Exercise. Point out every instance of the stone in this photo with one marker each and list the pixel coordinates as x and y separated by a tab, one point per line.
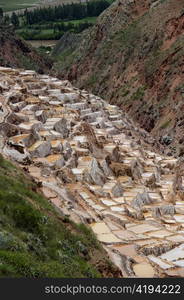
96	173
117	190
66	145
17	156
71	97
29	126
151	181
53	159
141	200
41	116
62	128
32	100
164	210
15	96
8	130
60	163
66	175
67	154
40	149
30	108
16	107
101	193
120	169
177	182
106	169
116	156
56	146
136	169
167	140
72	161
31	139
15	118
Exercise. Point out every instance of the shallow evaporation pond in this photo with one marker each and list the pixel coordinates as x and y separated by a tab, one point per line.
144	270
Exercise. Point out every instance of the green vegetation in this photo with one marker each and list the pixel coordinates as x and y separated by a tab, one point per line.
92	80
125	93
9	5
139	94
46	23
35	240
15	20
67	12
165	124
125	90
180	88
53	31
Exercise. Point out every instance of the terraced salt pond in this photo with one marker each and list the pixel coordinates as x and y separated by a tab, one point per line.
80	151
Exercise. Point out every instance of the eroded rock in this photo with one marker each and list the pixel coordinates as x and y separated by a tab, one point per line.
117	190
40	149
62	128
96	173
141	200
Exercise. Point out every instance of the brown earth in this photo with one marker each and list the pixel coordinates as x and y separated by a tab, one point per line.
15	52
134	57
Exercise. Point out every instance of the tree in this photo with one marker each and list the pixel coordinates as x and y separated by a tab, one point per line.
1	15
1	12
15	20
6	20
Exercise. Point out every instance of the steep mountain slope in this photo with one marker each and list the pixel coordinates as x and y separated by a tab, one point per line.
14	52
134	57
36	240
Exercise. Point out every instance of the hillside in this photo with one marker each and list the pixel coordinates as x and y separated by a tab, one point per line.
20	5
15	52
133	57
36	240
11	5
95	167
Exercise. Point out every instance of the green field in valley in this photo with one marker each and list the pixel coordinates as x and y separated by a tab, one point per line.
9	5
41	33
88	19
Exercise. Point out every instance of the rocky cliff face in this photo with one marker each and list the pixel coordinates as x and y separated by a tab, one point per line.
14	52
133	57
96	167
